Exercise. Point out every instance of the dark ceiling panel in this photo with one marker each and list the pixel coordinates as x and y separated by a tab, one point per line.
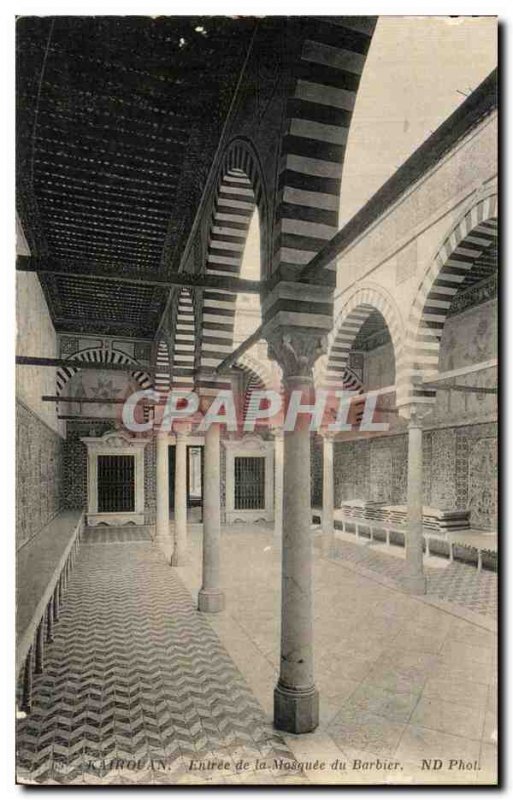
106	108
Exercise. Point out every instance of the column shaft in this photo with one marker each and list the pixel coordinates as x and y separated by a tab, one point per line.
162	526
296	700
415	581
210	597
327	486
278	483
180	549
39	660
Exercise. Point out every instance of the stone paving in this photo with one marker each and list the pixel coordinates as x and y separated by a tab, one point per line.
399	680
137	683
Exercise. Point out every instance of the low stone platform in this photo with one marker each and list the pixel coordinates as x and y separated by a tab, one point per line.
138	688
38	566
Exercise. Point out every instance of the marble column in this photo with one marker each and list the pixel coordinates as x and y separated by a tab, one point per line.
414	580
179	557
162	526
296	700
210	596
328	493
278	481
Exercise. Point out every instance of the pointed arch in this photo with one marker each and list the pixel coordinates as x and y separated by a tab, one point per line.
240	190
468	241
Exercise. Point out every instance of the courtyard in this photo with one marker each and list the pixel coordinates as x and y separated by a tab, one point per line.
141	688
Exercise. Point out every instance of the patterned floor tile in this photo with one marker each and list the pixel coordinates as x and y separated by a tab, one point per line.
136	683
457	583
112	535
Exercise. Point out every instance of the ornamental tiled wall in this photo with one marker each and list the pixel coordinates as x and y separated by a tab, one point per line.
316	471
460	470
150	483
75	462
39	473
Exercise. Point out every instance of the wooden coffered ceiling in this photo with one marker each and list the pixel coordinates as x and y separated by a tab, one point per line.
118	121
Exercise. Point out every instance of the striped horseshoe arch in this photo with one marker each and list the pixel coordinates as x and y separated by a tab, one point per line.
258	378
255	366
162	368
319	114
100	355
252	383
471	240
182	369
239	192
364	302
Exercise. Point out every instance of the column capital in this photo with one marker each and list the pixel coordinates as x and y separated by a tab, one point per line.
415	414
296	350
328	436
277	432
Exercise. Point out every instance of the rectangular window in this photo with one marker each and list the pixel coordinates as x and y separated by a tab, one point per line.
116	483
249	482
195	482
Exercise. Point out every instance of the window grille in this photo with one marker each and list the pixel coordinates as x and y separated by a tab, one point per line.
116	483
249	482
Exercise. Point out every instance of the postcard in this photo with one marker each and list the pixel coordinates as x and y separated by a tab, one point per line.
256	400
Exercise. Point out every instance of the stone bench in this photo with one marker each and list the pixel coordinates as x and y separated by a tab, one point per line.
469	539
43	567
475	541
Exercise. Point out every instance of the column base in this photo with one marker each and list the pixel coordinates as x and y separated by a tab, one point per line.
296	711
166	547
210	601
414	584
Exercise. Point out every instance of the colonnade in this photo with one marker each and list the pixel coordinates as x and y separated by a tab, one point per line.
296	699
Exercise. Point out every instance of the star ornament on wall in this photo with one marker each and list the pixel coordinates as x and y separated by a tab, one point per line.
105	388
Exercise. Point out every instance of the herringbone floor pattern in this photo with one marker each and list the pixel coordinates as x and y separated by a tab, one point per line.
136	685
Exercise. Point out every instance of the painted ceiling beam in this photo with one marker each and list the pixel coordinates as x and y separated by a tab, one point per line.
49	266
38	361
55	398
81	418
